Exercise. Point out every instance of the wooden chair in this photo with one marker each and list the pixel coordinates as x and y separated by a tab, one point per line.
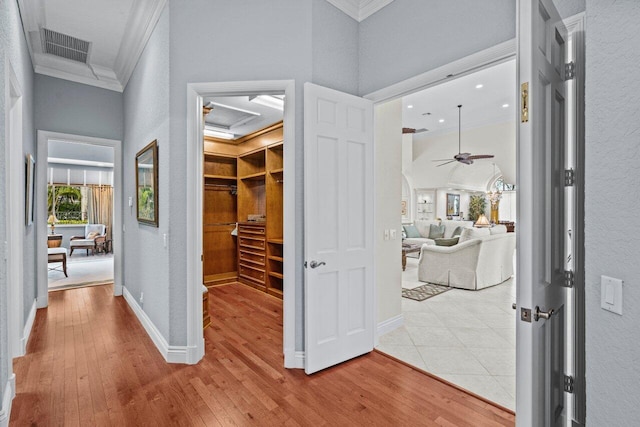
58	255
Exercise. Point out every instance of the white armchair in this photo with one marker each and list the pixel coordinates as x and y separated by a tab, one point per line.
93	233
473	264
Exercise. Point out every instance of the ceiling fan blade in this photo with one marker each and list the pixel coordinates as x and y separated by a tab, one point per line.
481	156
446	163
467	161
461	156
443	160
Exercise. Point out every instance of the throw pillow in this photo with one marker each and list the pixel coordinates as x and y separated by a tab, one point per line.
436	231
92	235
411	231
447	242
473	233
457	231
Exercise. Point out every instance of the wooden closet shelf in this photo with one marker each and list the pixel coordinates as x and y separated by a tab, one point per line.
276	258
276	241
274	274
277	171
230	178
254	176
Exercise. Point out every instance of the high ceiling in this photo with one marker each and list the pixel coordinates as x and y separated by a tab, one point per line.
238	115
436	108
115	32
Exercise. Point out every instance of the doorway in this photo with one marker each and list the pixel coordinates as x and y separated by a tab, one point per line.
80	208
85	170
196	96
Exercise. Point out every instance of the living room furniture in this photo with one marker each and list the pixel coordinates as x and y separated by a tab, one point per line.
423	227
408	248
54	240
483	258
93	233
58	255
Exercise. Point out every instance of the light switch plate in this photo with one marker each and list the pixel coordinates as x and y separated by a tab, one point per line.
611	294
393	234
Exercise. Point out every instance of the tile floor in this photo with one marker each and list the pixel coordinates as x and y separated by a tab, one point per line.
82	270
465	337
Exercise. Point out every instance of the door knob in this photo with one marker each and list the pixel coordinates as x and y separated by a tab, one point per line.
316	264
538	314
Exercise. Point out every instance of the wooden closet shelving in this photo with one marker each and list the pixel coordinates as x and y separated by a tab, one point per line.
254	170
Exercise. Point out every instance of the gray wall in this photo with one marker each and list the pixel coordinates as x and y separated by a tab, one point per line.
78	109
612	182
146	107
410	37
13	47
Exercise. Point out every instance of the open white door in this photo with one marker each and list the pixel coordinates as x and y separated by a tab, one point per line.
541	296
338	174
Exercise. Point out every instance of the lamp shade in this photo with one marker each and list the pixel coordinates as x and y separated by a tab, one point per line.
482	221
51	219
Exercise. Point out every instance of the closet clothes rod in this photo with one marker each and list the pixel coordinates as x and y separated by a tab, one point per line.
219	224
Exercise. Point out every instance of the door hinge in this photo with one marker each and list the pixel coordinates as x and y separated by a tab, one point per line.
568	383
305	264
569	70
569	279
569	177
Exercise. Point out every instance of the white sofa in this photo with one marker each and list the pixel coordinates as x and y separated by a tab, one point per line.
482	258
423	229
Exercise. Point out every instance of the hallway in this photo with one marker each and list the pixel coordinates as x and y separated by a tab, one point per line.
90	362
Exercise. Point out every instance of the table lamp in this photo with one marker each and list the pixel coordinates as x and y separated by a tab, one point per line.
52	219
482	221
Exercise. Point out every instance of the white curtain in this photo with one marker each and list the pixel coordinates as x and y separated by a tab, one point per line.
100	207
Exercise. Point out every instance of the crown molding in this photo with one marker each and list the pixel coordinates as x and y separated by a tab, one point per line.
104	83
359	9
141	24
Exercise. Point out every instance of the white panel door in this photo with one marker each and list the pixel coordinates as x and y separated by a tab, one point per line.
541	310
339	286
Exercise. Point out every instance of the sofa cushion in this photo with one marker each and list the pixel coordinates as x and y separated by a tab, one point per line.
411	231
92	235
423	226
498	229
447	242
436	231
473	233
457	231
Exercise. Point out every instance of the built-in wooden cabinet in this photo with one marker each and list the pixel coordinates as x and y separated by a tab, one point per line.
244	185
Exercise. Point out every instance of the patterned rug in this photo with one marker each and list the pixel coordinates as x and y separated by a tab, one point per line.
424	292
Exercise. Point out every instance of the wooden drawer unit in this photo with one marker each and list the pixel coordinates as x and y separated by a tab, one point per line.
252	256
248	258
253	243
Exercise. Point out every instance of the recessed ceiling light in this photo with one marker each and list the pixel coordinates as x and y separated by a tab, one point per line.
409	106
505	105
479	86
441	121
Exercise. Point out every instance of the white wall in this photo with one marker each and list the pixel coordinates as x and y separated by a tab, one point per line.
612	206
70	107
13	50
388	189
146	107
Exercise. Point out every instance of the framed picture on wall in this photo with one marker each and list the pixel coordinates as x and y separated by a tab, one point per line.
403	208
147	184
453	204
30	187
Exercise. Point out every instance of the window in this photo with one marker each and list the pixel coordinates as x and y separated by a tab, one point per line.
500	185
67	204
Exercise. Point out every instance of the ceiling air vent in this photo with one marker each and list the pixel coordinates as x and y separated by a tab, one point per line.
65	46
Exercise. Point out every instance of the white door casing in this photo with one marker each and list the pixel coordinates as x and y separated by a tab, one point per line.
339	292
541	221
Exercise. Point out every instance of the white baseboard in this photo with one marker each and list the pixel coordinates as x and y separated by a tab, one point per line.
171	353
390	324
7	399
26	333
294	359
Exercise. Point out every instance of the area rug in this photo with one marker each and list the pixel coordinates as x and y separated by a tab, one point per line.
424	292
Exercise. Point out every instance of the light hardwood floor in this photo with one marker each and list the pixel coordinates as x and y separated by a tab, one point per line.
89	362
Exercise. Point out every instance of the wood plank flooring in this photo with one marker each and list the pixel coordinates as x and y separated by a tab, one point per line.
90	363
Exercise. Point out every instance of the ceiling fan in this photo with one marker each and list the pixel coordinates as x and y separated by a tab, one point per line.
465	158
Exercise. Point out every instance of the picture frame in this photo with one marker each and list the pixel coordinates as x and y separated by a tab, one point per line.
403	208
30	188
453	204
147	184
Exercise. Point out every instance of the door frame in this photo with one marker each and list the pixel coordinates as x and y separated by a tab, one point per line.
15	218
195	158
41	208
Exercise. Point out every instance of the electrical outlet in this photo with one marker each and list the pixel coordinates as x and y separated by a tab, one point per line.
164	239
130	201
393	234
141	298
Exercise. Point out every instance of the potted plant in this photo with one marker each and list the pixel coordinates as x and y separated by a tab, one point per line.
477	206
